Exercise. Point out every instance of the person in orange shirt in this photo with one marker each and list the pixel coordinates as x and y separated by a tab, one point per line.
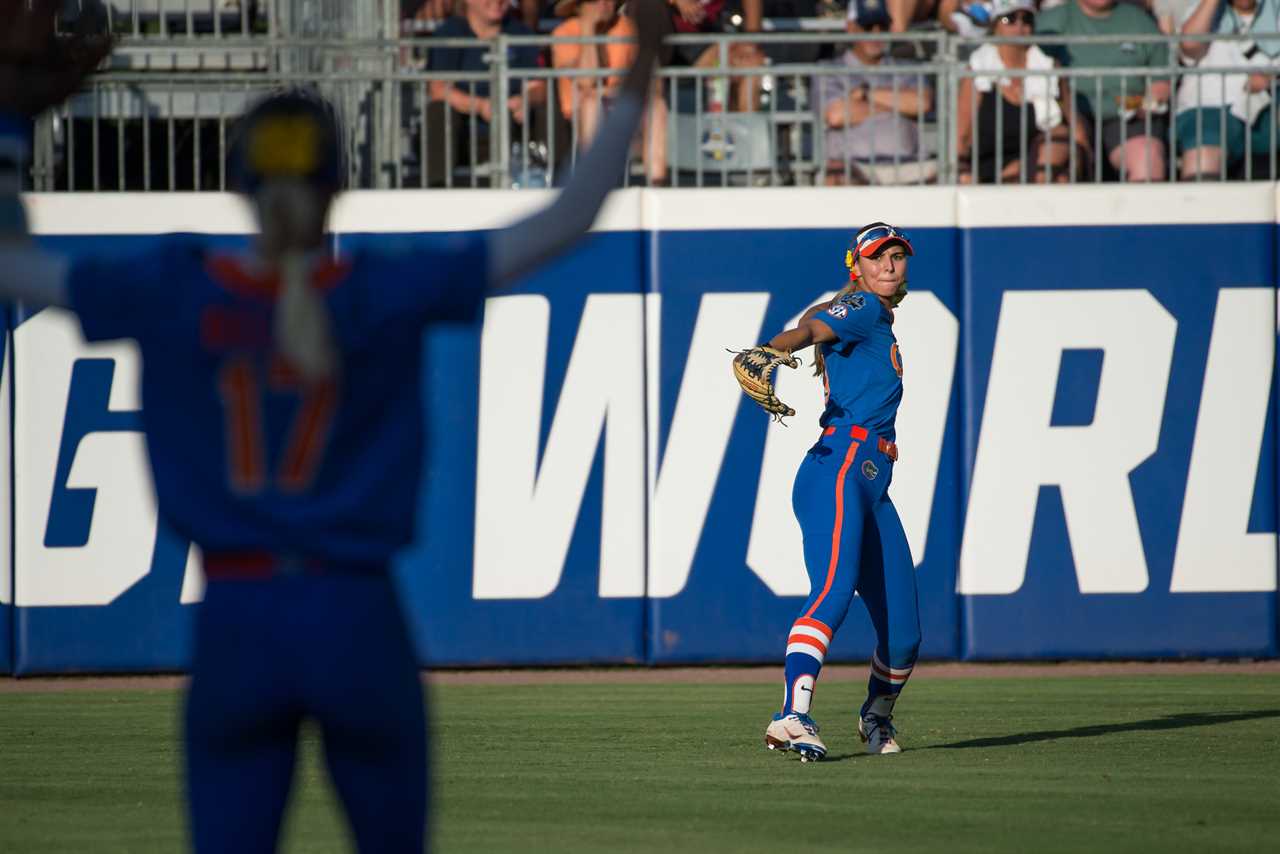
583	99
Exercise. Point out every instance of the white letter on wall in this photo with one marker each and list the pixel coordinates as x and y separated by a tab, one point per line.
123	530
700	427
6	594
526	511
1215	553
193	580
1019	451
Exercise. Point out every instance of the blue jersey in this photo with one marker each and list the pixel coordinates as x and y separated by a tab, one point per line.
245	456
863	381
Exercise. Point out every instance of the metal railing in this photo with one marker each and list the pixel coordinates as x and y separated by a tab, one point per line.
168	130
1083	99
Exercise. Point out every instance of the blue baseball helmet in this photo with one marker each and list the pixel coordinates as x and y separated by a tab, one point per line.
292	134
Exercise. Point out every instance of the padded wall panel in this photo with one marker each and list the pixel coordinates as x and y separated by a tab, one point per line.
1120	455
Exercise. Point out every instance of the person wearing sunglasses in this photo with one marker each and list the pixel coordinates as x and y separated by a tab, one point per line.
1000	119
853	538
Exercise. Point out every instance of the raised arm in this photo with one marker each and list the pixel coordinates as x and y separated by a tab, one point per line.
536	239
38	68
1198	23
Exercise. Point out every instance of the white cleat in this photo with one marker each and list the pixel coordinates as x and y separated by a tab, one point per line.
879	735
795	732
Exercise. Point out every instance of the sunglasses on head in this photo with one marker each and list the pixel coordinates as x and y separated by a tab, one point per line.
1019	17
872	238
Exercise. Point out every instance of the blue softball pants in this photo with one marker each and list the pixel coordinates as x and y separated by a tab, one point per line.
853	543
272	652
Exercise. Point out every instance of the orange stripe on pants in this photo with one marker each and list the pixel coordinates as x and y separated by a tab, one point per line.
835	530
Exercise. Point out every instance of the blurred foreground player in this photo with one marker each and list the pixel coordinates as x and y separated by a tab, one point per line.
285	435
853	538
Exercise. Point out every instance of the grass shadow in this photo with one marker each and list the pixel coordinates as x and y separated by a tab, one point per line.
1181	721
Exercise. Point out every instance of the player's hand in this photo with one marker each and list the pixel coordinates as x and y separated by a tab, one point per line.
1259	82
484	109
38	67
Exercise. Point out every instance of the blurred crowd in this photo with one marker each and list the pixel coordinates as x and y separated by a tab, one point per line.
1158	120
1151	90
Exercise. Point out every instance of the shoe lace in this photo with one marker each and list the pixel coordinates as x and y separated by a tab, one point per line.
882	727
807	722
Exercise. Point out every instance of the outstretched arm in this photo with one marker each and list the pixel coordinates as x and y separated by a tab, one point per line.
33	276
809	331
38	68
514	251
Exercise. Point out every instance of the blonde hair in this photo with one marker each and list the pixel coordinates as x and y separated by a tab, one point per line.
303	331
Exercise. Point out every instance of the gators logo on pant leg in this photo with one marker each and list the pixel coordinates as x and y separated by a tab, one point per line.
869	470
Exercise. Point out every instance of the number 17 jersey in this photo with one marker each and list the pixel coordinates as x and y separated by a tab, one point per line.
247	457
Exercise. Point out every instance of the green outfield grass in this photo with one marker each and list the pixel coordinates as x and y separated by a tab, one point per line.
1184	763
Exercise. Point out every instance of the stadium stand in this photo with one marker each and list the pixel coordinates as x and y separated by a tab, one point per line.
160	117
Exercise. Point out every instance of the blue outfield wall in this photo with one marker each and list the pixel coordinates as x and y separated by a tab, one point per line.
1088	433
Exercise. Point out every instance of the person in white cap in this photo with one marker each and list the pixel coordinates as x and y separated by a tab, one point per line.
1002	118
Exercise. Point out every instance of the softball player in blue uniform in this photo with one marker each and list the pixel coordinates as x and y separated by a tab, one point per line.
284	429
853	539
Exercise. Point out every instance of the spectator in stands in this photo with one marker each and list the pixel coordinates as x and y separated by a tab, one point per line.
436	11
1040	129
692	17
1134	116
870	116
1241	102
584	99
483	19
423	16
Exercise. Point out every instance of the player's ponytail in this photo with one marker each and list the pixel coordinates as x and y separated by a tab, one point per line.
302	329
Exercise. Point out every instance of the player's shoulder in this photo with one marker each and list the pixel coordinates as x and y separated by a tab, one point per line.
186	245
413	259
848	303
165	256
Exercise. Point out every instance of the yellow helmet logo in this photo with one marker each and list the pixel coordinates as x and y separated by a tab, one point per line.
285	145
848	259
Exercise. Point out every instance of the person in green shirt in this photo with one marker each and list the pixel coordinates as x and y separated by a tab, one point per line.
1132	108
